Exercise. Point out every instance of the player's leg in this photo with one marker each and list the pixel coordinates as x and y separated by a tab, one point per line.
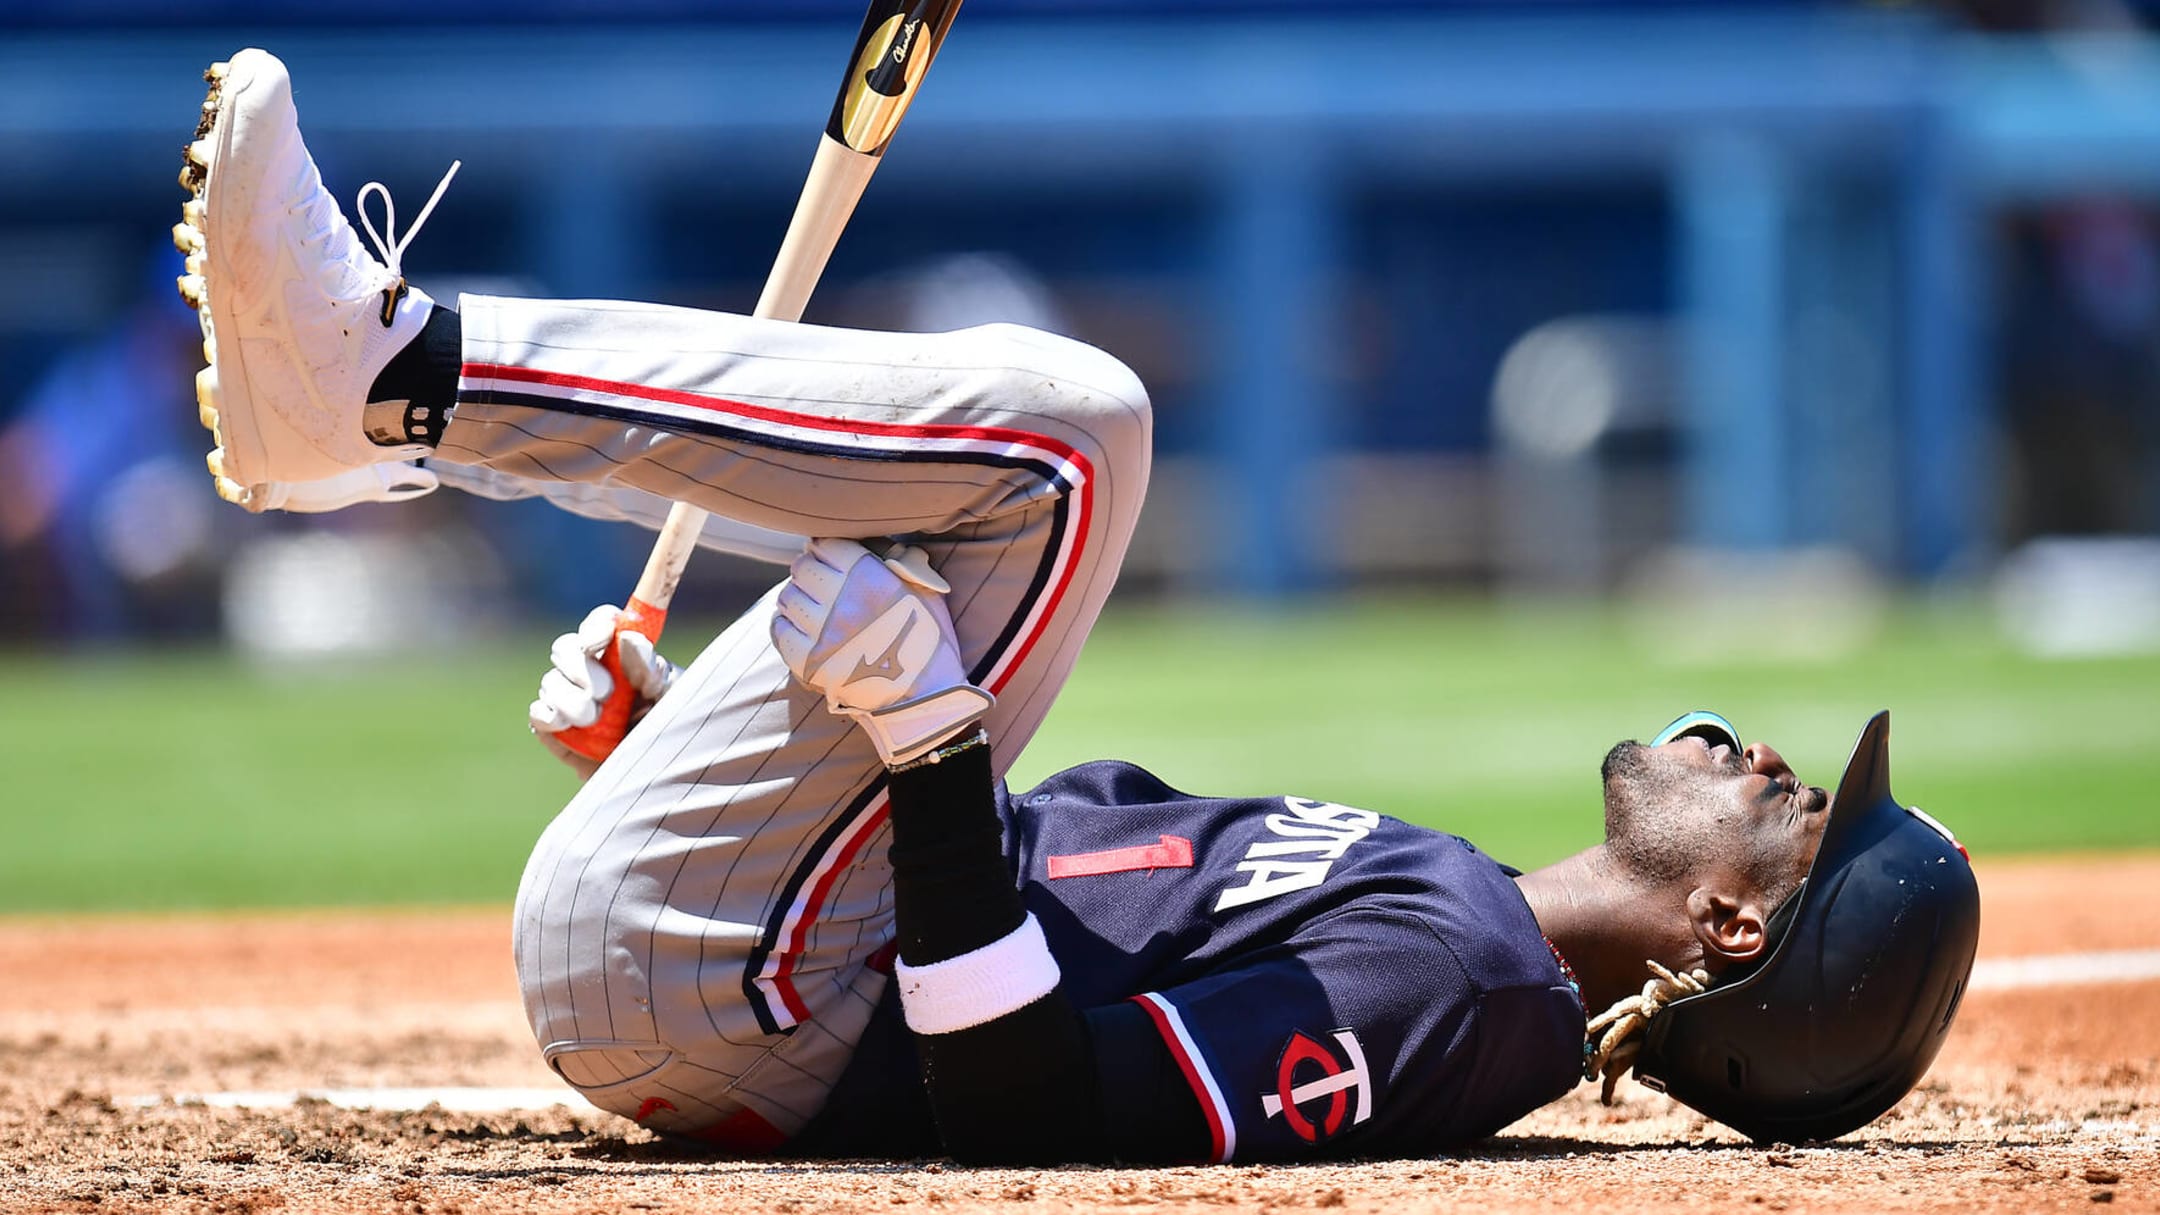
1018	457
620	504
694	930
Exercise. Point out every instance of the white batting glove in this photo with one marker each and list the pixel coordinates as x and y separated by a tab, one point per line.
872	634
572	691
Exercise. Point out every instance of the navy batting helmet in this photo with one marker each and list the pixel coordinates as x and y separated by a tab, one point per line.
1853	997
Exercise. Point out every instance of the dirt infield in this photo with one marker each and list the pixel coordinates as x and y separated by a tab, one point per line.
2047	1098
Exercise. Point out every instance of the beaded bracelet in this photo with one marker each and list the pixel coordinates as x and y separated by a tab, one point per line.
980	738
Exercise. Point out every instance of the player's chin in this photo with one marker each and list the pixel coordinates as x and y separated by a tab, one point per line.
1628	760
1625	774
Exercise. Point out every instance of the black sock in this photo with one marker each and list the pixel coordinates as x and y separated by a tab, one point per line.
411	400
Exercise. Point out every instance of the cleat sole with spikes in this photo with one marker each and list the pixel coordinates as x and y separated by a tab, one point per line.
198	162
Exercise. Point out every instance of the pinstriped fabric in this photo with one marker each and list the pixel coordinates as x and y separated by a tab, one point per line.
710	897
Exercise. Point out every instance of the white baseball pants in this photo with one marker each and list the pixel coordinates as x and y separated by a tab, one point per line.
696	930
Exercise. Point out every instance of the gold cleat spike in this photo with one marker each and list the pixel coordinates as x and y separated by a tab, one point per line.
195	263
196	164
191	289
216	462
187	239
206	401
195	167
209	351
232	491
191	213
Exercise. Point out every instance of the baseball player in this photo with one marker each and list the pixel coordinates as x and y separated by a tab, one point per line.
798	910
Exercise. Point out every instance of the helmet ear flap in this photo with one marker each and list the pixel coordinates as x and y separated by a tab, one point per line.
1702	724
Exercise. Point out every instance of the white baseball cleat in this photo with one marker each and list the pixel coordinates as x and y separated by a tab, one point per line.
297	318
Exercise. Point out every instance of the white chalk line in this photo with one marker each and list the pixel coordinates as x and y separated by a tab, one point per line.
453	1099
2065	970
1992	974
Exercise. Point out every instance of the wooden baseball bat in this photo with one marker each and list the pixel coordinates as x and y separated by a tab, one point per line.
899	39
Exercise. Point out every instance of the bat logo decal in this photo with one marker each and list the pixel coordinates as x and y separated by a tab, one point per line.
907	43
889	63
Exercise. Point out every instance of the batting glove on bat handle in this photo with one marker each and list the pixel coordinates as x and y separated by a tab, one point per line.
598	741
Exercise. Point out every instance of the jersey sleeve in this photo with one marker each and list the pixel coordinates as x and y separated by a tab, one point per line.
1355	1037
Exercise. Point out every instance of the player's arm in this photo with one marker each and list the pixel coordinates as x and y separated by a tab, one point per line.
1015	1071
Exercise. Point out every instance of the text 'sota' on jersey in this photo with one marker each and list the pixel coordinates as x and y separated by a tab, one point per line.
1328	979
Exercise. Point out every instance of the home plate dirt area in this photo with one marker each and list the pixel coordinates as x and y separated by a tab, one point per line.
379	1062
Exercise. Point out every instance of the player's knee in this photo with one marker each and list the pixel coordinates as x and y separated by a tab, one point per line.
1077	384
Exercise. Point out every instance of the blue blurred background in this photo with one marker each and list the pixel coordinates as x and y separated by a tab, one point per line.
1525	373
1511	296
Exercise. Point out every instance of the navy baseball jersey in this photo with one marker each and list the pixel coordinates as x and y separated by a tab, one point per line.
1329	980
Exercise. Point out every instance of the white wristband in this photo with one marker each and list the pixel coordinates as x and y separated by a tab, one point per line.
979	986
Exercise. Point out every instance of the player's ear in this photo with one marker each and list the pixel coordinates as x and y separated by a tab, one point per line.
1729	927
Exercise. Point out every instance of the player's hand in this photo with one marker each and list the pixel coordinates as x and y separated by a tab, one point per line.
573	690
873	635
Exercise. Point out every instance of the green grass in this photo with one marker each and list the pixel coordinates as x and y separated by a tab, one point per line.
191	780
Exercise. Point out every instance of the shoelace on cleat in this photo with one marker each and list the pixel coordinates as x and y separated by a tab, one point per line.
392	251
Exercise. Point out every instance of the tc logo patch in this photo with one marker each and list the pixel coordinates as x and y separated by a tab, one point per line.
1308	1072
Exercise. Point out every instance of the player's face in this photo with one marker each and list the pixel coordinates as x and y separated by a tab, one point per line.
1693	807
